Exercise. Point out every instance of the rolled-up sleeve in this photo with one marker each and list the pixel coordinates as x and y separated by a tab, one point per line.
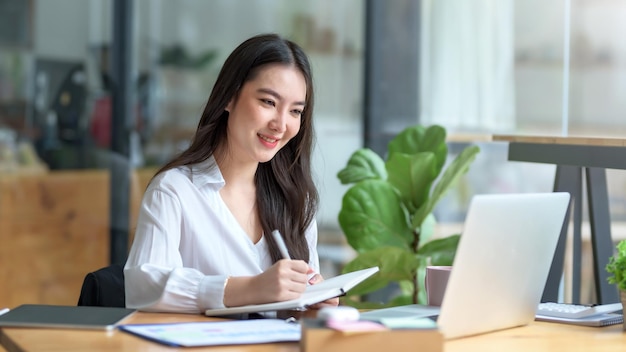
155	279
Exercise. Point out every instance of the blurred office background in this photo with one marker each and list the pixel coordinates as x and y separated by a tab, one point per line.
78	142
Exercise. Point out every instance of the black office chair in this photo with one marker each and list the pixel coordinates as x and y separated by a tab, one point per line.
104	288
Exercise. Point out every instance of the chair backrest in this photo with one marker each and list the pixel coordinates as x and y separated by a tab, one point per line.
104	288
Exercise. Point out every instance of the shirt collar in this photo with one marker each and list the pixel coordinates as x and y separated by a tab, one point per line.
206	172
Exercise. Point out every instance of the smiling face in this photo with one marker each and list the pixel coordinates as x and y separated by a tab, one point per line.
266	114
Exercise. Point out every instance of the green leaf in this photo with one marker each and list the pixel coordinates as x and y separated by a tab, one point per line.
412	175
451	175
427	228
371	216
401	300
422	297
441	251
417	139
364	164
395	264
617	266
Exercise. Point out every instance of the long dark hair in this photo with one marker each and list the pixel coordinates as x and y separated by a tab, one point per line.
287	198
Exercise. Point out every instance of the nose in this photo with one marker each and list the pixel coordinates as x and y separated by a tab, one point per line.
279	122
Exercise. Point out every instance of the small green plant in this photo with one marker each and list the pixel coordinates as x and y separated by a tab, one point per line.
617	267
386	215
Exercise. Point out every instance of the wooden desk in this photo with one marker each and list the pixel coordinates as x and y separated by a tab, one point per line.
539	336
534	337
572	156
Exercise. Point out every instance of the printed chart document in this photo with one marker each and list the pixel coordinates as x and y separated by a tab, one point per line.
329	288
237	332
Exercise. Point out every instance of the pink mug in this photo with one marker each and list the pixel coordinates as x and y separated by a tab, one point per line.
435	283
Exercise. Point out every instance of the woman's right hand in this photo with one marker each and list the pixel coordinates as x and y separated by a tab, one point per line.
285	280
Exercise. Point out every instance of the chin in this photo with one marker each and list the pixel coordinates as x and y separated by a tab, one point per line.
265	158
265	155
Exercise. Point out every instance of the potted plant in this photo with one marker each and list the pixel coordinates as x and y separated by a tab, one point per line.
617	268
386	215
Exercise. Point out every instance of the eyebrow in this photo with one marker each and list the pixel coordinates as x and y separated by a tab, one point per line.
276	95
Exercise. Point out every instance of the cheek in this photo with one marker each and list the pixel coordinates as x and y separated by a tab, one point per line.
293	127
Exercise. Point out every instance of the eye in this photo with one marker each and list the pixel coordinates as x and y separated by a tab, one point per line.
268	102
297	112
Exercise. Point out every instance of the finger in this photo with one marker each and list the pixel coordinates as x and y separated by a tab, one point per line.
301	266
292	269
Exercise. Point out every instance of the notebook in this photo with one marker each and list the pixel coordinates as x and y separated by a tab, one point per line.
500	267
55	316
329	288
599	320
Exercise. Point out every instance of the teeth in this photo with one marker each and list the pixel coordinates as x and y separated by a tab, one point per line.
268	139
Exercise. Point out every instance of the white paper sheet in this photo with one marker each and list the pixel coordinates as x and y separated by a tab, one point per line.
237	332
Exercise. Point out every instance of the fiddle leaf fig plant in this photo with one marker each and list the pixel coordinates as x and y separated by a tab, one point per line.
617	267
387	213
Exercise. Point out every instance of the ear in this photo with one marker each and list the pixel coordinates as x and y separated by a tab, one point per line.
229	106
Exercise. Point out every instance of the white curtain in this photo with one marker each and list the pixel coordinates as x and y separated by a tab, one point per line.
467	80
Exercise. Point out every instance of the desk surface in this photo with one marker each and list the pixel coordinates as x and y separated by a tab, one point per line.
534	337
587	141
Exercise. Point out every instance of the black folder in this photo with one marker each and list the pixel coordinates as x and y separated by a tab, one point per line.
71	317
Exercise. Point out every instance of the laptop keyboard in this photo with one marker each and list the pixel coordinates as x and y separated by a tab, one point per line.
409	311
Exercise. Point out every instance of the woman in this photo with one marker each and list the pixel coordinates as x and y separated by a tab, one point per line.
203	234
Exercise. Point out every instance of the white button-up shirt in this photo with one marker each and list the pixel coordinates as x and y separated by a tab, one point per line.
187	243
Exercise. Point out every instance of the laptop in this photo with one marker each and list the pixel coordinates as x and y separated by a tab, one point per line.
500	267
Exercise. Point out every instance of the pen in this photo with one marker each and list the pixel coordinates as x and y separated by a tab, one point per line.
282	247
5	310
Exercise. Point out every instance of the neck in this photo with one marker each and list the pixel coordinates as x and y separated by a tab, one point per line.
236	172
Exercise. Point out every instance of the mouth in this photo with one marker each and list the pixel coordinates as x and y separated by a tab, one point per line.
267	139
